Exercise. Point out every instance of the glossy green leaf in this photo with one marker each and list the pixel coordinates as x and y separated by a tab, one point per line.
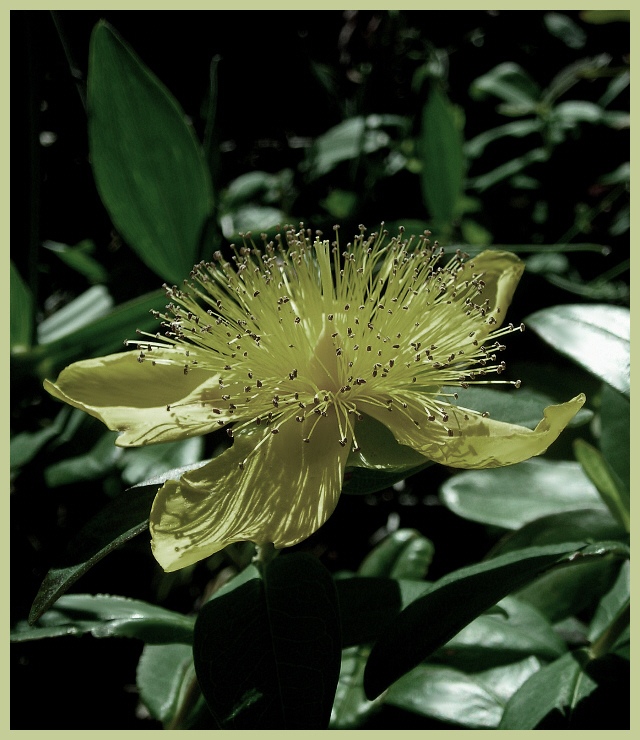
79	258
351	708
605	480
561	685
443	162
361	481
93	304
21	319
515	632
448	695
513	496
461	596
611	603
615	417
267	652
405	553
109	616
142	463
164	674
561	593
148	166
597	337
589	525
504	680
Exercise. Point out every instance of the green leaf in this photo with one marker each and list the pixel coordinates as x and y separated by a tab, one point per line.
448	695
267	653
121	520
350	139
605	480
109	616
513	496
79	258
562	593
611	603
142	463
590	525
476	146
560	685
510	83
596	337
164	674
26	445
565	29
452	603
615	416
508	169
515	632
443	162
351	708
93	304
21	317
404	553
99	461
148	166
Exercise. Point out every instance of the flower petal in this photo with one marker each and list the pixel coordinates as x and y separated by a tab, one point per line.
132	397
477	442
286	490
501	273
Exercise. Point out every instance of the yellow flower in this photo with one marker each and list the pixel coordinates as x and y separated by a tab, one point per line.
295	348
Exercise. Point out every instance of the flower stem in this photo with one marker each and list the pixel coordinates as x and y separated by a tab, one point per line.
264	555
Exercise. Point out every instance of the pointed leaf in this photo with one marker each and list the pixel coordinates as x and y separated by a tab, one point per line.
267	652
148	166
121	520
561	685
606	481
443	163
21	319
597	337
463	595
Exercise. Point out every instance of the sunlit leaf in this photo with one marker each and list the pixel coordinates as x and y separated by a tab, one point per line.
595	336
93	304
511	497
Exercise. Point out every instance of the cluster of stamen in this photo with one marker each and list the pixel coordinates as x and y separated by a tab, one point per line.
299	329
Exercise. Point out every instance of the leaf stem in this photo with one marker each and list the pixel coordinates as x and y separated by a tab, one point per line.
607	639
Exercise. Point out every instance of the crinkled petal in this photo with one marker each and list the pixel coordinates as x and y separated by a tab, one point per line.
285	492
501	273
132	397
477	442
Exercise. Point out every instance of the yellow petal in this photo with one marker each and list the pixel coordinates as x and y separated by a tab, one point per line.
132	397
285	492
477	442
501	273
